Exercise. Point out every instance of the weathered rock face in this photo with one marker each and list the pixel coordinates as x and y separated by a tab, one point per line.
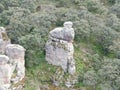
4	40
5	72
59	48
16	54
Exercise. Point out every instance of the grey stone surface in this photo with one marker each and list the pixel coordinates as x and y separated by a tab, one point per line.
16	54
5	72
59	48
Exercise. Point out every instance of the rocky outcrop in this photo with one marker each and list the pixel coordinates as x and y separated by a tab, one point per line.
59	48
12	64
16	54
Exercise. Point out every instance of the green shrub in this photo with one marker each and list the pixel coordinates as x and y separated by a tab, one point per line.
109	73
1	8
90	78
115	47
82	30
115	9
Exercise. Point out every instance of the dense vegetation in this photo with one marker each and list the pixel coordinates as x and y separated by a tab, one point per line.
97	40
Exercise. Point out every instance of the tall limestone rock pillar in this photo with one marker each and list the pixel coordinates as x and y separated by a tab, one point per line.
59	48
4	40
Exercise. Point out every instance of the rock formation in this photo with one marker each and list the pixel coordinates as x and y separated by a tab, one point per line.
12	63
59	47
16	54
5	72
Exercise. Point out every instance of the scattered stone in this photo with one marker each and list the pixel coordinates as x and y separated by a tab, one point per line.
58	77
68	84
71	80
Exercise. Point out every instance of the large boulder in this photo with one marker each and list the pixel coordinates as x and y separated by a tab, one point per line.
59	48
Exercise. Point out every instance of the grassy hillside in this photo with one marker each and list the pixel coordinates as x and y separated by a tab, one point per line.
97	47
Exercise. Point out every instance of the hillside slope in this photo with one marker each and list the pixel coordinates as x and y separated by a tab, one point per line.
97	37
